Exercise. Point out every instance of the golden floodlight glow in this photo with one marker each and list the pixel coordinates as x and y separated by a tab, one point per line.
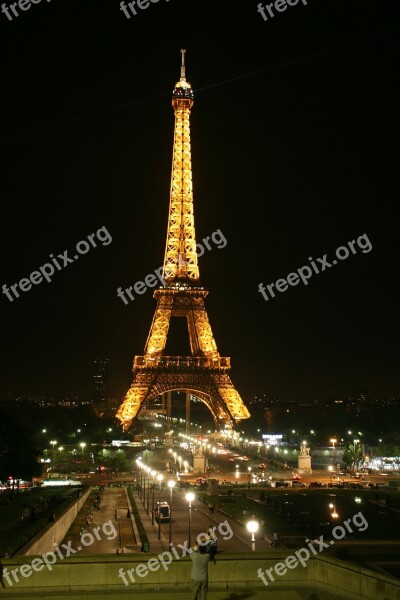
205	373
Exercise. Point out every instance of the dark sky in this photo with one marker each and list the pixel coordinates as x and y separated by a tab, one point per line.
295	148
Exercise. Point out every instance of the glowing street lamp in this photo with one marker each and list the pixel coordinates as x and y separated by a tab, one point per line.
153	485
252	527
60	449
139	476
82	445
171	485
144	468
148	469
159	478
53	443
190	497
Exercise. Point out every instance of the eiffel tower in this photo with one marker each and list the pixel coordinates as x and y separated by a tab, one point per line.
205	374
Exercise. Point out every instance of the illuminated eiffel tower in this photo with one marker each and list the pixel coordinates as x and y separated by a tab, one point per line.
205	374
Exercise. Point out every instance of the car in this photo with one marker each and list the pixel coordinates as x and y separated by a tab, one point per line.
352	485
281	483
200	481
316	484
296	476
245	458
261	466
162	512
297	483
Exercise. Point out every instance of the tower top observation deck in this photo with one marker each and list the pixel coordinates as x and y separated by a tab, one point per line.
183	89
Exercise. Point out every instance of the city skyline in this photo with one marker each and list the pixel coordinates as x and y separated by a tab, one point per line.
292	159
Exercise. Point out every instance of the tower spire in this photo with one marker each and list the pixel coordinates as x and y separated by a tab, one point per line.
183	69
180	259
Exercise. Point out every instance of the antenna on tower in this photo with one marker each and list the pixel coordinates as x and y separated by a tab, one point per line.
183	73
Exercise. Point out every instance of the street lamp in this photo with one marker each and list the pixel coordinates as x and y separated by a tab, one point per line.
60	449
160	478
140	476
153	474
171	484
82	445
53	443
137	461
249	470
144	486
252	527
190	497
148	469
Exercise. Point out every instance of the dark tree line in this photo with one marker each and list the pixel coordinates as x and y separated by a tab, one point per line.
18	452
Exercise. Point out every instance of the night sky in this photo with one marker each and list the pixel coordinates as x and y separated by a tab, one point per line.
295	148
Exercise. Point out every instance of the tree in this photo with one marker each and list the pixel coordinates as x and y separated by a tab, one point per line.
18	454
352	455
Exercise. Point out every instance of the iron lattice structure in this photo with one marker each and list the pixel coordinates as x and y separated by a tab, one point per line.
205	373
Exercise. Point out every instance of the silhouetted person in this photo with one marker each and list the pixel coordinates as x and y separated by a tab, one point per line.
199	573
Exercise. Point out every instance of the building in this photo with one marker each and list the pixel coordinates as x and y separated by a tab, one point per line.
100	380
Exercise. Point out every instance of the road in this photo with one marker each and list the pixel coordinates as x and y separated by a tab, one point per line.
230	535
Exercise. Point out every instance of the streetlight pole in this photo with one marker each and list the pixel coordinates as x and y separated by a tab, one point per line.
137	475
252	527
153	473
140	479
60	449
53	443
148	489
171	484
190	498
82	445
160	478
144	486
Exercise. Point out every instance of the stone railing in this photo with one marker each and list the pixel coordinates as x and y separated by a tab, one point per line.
236	572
